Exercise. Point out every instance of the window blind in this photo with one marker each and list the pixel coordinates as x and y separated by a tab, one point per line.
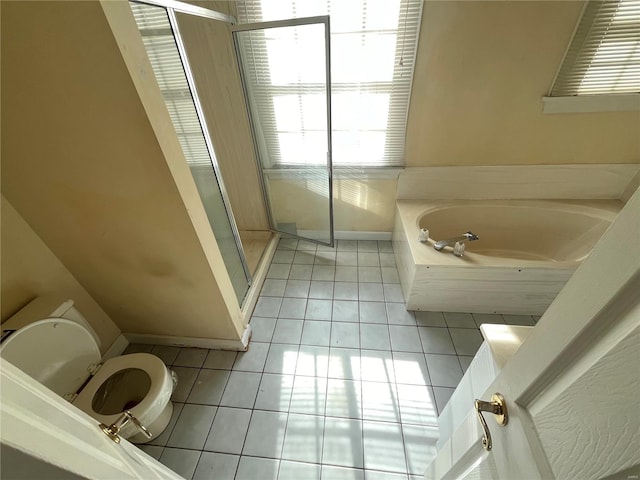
157	36
604	55
373	45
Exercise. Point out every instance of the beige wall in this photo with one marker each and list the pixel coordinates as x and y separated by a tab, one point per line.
30	269
365	204
212	58
481	71
83	166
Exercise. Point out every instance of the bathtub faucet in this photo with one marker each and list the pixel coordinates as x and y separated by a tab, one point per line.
467	236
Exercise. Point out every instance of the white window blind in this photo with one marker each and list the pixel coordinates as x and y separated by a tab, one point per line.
373	45
159	42
604	55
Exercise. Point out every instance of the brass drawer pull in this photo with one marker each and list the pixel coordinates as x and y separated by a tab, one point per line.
498	407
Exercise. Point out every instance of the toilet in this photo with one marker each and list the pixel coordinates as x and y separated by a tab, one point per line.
53	343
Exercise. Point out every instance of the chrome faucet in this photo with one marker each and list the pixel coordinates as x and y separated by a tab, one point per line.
467	236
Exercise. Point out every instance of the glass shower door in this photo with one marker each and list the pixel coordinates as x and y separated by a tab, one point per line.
161	37
286	76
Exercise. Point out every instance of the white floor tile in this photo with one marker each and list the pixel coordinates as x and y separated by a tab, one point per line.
192	427
303	440
274	392
393	293
191	357
265	435
444	370
384	447
183	462
345	259
329	472
380	402
241	390
165	353
368	259
316	332
459	320
319	309
208	387
345	311
398	315
481	318
343	443
281	359
293	308
417	405
253	359
405	338
313	361
303	258
251	468
411	368
374	337
419	447
344	363
283	256
377	475
273	288
288	331
466	341
345	291
321	290
389	275
324	273
345	335
442	396
298	471
430	319
216	465
267	307
186	379
376	366
297	288
309	395
279	271
371	292
436	340
261	330
373	312
300	272
387	260
346	273
369	274
344	398
228	431
154	451
367	246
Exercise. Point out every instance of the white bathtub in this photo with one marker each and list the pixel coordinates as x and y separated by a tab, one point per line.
526	252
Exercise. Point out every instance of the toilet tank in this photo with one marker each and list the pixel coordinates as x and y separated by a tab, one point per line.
47	307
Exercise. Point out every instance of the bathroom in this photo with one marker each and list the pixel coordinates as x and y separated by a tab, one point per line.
126	236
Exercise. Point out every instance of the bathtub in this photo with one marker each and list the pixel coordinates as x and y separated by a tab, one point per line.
526	252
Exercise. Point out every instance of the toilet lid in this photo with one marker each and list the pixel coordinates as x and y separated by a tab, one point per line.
56	352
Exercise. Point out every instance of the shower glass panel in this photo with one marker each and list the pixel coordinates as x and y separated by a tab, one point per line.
286	76
161	42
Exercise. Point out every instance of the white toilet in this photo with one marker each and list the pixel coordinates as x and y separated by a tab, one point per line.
62	352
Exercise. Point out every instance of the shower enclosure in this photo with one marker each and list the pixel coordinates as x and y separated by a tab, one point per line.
293	154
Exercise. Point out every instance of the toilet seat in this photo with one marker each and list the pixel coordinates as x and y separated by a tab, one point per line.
154	400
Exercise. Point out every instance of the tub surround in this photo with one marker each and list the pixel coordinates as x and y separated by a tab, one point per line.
526	257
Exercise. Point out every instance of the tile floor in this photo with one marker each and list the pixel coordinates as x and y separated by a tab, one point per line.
339	382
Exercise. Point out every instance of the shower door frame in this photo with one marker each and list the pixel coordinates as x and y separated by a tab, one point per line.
171	7
292	22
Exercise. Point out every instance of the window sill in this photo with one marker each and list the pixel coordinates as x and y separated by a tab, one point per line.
591	103
355	173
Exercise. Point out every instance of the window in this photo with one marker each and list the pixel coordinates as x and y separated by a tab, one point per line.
373	44
604	55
